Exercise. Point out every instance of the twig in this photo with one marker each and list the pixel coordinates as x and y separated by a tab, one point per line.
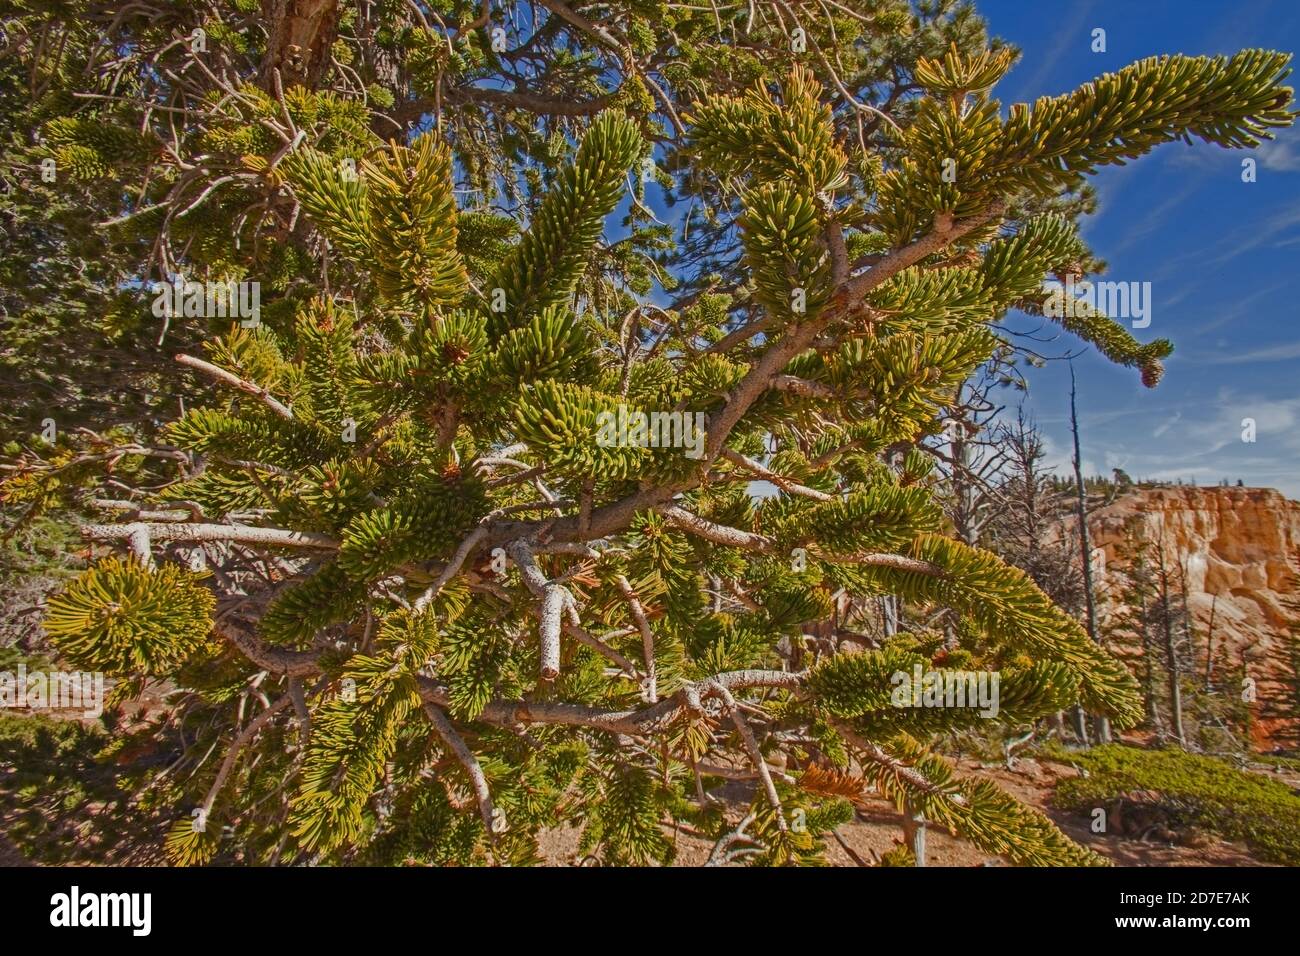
647	637
229	378
452	569
755	754
785	484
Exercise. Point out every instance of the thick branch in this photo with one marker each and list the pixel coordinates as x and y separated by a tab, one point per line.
279	660
650	719
847	301
717	533
240	534
802	387
751	541
554	597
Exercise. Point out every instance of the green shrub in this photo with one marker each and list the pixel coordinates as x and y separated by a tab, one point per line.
1207	792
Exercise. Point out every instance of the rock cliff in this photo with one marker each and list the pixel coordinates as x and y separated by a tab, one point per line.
1238	547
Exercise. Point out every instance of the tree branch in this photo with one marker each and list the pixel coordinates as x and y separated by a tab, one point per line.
478	780
229	378
647	637
181	531
785	484
640	722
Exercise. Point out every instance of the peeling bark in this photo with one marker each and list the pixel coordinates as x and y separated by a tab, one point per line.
301	33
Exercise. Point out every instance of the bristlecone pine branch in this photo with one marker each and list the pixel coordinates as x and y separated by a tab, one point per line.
495	602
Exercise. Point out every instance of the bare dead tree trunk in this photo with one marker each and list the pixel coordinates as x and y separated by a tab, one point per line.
914	832
1171	652
1080	720
1085	546
1149	671
965	490
889	612
1209	645
300	36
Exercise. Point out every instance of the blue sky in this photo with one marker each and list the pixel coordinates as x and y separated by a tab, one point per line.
1221	256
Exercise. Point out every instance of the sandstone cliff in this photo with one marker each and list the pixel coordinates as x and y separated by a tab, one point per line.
1238	546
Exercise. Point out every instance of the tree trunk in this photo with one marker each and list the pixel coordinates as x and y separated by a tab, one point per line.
1080	725
1085	547
1149	672
1171	655
965	523
889	614
300	34
1209	646
914	832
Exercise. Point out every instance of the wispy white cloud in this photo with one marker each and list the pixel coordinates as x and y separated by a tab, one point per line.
1167	424
1239	308
1281	155
1267	353
1154	219
1200	441
1248	240
1059	459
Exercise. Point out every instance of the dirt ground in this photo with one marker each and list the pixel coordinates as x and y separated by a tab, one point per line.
876	830
10	854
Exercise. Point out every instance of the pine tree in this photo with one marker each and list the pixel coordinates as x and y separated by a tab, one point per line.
431	609
1133	623
1150	626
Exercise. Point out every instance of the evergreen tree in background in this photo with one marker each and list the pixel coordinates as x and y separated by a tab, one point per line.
1150	626
419	605
1136	624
